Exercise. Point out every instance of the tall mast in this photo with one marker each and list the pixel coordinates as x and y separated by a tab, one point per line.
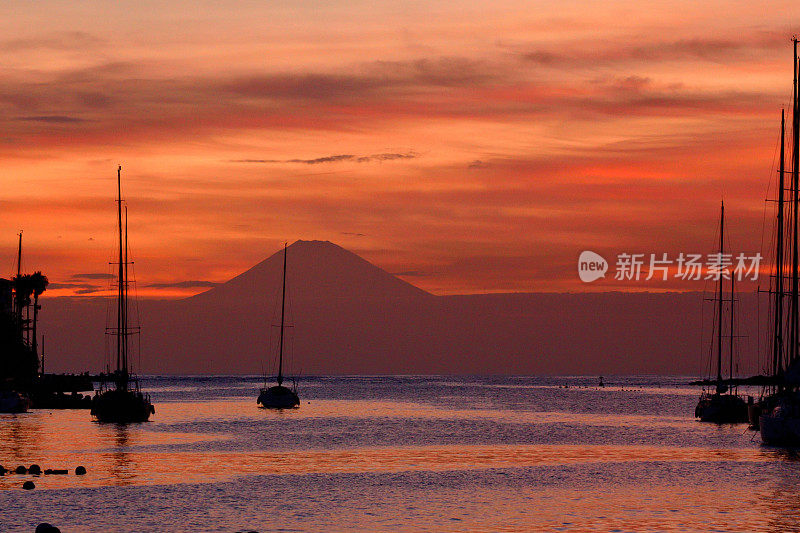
283	309
16	288
121	323
733	299
777	355
125	305
719	299
795	153
19	255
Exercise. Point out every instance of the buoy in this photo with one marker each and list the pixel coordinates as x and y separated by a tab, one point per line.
28	485
35	470
21	470
80	471
44	527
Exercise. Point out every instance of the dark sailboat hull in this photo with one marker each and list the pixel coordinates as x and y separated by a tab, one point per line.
14	402
721	409
278	397
780	429
122	406
779	422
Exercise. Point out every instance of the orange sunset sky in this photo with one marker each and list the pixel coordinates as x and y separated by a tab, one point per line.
465	146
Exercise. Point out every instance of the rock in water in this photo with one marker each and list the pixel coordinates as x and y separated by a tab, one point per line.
35	470
80	471
44	527
21	470
28	485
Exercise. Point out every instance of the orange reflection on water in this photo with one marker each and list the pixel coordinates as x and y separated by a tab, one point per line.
227	409
123	467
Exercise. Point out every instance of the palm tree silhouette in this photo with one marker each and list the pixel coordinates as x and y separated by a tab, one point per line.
38	283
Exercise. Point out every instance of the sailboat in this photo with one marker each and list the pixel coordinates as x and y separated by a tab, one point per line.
778	410
723	405
278	396
122	401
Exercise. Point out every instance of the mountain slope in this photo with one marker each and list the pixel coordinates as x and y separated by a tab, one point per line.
316	270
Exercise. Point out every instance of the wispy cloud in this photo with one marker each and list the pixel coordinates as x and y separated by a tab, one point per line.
77	288
640	49
191	284
93	275
58	41
411	273
51	119
334	159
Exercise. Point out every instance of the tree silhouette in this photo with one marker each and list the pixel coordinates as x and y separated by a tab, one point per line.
38	283
23	289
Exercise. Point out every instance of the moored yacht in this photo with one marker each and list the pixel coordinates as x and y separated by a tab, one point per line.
722	404
778	410
278	396
119	399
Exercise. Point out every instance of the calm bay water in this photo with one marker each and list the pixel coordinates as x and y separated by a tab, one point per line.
402	453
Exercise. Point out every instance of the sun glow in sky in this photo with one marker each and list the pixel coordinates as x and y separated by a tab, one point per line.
468	147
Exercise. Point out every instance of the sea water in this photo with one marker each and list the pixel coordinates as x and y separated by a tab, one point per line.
393	453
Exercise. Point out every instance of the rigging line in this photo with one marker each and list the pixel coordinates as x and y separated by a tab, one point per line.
137	328
715	319
702	329
757	336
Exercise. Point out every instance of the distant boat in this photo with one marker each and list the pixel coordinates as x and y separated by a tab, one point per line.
777	413
722	405
13	402
278	396
123	402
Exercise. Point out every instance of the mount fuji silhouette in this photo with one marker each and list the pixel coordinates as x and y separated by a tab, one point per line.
350	317
316	270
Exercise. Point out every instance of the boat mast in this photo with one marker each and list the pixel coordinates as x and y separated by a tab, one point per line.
283	309
777	356
20	324
122	378
125	292
793	325
719	300
733	299
19	255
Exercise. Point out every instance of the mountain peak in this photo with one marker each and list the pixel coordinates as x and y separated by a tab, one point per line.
316	270
314	242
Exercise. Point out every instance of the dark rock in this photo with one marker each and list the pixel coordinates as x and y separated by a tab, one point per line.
2	470
21	470
35	470
44	527
59	472
80	471
28	485
48	471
